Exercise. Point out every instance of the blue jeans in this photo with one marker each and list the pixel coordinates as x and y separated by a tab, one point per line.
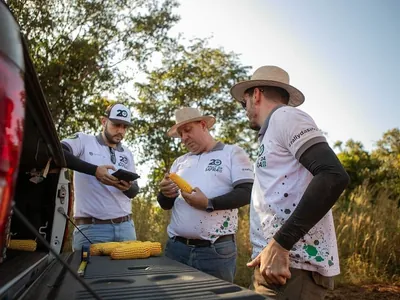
218	260
100	233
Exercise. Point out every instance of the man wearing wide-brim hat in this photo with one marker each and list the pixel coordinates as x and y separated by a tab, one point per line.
204	222
298	178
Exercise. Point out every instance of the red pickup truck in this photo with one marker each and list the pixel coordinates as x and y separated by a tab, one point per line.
34	198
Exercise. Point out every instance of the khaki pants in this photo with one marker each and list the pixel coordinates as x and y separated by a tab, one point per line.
303	285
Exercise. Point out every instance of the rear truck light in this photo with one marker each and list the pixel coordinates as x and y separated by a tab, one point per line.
12	115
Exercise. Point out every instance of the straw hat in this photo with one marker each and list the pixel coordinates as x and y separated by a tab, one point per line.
187	115
269	76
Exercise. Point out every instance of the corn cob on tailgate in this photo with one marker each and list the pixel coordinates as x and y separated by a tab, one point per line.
22	245
127	249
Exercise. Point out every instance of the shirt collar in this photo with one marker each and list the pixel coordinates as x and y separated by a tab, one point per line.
218	146
264	127
100	139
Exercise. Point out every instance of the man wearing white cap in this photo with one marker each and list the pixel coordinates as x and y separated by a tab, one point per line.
102	207
298	178
204	222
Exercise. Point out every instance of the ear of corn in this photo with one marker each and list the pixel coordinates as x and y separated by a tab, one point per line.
23	245
103	248
155	248
126	249
181	183
131	251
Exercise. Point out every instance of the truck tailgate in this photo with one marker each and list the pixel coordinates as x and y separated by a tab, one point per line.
152	278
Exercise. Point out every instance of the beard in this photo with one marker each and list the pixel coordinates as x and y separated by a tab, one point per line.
255	126
112	139
252	115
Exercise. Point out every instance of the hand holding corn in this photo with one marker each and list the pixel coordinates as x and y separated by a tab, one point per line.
168	187
183	185
196	199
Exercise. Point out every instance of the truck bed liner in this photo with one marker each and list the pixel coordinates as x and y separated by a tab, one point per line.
155	278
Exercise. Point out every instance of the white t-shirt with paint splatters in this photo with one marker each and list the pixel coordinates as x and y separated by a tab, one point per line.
92	198
216	173
280	182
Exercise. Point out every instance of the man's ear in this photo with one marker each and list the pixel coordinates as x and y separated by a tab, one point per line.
203	125
103	121
257	95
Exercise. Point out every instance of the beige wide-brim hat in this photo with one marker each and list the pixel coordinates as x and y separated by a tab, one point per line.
269	76
187	115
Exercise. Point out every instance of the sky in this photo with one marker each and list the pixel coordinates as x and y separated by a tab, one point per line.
343	55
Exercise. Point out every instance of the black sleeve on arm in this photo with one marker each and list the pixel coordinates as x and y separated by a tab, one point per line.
238	197
329	181
76	164
165	202
133	190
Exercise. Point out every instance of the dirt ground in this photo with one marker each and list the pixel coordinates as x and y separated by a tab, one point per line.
367	292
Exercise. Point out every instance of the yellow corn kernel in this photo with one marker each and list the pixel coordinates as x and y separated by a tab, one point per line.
130	242
103	248
181	183
155	248
23	245
131	251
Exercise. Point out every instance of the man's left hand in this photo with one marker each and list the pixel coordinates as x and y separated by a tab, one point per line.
123	185
197	199
274	263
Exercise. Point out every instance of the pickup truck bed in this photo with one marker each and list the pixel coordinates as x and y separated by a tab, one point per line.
153	278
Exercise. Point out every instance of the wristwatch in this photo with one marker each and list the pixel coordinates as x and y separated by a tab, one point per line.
210	206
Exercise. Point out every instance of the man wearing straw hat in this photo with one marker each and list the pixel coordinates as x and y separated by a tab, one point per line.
203	223
298	178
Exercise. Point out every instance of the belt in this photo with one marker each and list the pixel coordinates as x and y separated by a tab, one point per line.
83	221
203	243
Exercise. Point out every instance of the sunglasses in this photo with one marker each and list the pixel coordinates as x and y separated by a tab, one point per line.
250	92
112	155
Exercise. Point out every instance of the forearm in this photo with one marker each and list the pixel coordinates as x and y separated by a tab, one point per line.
166	203
329	181
76	164
133	190
238	197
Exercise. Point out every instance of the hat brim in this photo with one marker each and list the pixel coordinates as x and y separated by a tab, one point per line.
295	96
173	131
118	121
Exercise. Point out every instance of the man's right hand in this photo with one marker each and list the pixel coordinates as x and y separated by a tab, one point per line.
104	177
168	188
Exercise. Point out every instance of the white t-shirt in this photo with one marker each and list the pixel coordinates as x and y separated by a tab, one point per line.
92	198
280	182
215	173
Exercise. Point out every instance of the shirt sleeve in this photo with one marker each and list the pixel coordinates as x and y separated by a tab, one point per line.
241	166
296	130
75	144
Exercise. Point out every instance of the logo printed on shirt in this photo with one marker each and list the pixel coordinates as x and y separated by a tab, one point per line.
123	161
261	160
214	166
300	134
96	154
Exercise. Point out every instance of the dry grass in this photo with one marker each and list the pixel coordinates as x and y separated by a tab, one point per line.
368	233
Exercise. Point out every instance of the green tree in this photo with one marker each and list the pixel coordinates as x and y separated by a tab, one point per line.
357	163
194	75
387	154
79	46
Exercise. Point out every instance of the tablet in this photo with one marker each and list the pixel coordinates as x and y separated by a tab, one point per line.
125	175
